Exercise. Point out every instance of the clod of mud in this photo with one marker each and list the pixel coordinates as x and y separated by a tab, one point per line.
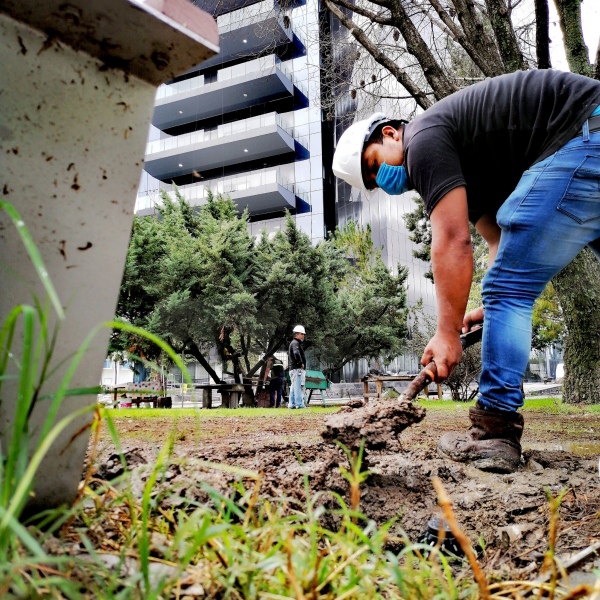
379	422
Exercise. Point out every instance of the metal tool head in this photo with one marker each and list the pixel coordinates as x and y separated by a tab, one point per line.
471	337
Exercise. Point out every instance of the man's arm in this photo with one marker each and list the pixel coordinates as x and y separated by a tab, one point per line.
298	353
452	264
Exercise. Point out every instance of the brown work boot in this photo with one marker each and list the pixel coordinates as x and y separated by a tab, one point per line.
492	443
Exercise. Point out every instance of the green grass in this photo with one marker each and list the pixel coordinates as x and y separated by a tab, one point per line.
216	413
543	405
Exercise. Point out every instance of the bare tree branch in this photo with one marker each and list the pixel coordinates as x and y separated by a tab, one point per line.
415	44
403	78
374	17
489	62
468	14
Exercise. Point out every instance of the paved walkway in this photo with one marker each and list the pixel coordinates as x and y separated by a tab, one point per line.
542	389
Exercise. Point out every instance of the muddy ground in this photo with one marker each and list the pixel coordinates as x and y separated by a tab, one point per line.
560	453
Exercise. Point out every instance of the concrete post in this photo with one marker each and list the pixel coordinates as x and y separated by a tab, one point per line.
79	81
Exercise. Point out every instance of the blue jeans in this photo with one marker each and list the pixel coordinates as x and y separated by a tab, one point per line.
275	387
297	378
550	217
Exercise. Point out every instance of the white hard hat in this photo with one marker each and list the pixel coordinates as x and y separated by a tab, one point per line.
348	154
299	329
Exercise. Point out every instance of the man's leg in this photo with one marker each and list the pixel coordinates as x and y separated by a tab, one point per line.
552	214
302	388
272	390
298	395
296	389
292	388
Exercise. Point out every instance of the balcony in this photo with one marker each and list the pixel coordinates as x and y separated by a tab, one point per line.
262	191
237	87
229	144
219	7
250	31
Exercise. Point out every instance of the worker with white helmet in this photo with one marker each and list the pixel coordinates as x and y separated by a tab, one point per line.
518	156
297	368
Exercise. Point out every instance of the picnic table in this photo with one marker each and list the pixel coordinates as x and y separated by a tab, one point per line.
145	392
380	379
230	393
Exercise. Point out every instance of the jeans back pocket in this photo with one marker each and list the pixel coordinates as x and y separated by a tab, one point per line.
581	200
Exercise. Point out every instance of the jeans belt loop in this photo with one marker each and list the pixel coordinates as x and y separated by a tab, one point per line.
586	130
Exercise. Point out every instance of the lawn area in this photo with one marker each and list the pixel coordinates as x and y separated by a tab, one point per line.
542	405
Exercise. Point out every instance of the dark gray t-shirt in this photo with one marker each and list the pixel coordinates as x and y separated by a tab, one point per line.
487	135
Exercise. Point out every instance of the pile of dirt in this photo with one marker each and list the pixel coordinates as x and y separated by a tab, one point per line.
378	423
507	514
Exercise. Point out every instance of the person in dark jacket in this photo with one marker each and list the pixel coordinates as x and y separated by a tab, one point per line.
297	367
519	157
276	382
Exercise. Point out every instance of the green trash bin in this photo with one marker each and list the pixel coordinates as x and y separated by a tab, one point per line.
315	380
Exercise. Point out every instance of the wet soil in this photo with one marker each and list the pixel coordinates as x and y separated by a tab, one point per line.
560	456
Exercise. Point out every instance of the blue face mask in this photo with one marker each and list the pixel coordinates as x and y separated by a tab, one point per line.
392	179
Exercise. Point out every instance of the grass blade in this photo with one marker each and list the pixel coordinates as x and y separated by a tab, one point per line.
34	256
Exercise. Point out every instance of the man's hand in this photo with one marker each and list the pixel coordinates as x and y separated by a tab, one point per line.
445	350
472	318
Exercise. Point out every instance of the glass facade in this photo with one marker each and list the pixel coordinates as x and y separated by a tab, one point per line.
292	108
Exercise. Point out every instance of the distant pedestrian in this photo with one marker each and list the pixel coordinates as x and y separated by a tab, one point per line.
276	382
297	367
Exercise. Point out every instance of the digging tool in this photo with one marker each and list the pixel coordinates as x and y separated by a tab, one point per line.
427	375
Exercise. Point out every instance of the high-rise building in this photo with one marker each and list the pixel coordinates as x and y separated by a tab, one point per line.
247	122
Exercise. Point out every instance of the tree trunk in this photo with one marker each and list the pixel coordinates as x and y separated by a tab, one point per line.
510	52
542	35
193	349
272	347
578	288
578	285
569	12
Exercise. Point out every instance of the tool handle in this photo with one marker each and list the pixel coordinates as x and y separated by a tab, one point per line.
425	377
